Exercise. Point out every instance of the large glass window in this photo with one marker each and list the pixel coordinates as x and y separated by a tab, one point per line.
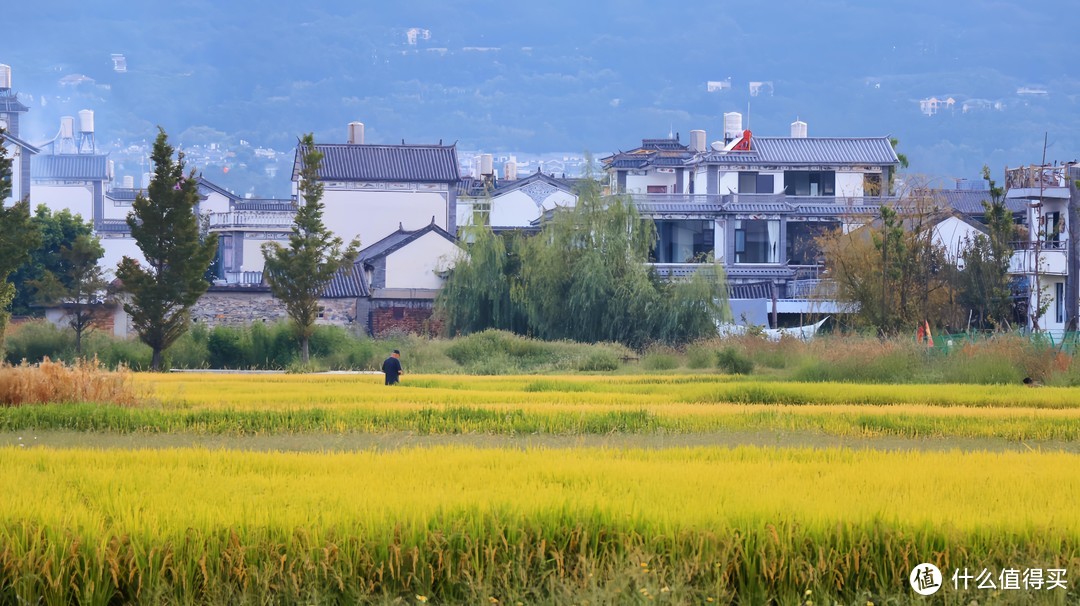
755	183
1059	302
810	183
683	241
757	241
801	243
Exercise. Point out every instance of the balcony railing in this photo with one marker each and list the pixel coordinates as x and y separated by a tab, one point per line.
718	203
1053	262
1040	244
252	219
1036	176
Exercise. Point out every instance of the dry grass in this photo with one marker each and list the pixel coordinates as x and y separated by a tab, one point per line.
48	381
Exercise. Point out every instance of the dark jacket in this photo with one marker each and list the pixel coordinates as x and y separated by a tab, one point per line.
392	368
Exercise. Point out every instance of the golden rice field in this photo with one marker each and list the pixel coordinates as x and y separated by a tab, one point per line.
566	405
461	523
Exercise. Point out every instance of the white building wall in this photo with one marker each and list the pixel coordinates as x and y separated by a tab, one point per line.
215	202
79	199
414	265
954	236
116	248
728	183
516	209
701	182
639	184
253	256
116	209
373	215
849	184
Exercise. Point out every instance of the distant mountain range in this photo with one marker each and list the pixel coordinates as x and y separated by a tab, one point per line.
559	76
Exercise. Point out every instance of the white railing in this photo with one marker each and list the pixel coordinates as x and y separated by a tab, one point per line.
1050	262
252	219
243	277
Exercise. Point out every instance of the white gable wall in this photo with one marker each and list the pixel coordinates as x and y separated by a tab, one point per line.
954	235
79	199
373	215
517	209
414	265
116	248
215	202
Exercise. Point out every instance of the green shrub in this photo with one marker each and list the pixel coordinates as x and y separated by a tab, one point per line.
226	348
190	350
35	340
732	361
660	359
113	352
699	357
600	360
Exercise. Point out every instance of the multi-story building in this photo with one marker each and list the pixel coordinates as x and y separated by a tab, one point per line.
755	204
20	152
1042	260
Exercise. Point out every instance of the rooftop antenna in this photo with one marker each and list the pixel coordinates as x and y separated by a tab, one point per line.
671	131
747	115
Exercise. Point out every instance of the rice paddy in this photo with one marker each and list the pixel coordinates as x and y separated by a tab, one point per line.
669	489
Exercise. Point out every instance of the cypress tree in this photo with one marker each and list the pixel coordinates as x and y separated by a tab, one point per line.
165	227
299	274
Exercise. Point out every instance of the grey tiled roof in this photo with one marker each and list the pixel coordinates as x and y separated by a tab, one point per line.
970	202
410	163
664	144
348	283
112	226
397	240
126	194
19	142
9	102
751	290
811	150
563	184
263	204
70	166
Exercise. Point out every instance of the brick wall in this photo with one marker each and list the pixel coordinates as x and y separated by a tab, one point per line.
400	318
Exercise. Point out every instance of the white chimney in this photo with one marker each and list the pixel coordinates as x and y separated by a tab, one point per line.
510	170
110	170
697	140
356	133
485	164
5	76
129	182
732	126
798	129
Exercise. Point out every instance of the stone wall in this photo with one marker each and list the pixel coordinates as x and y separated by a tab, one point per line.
238	308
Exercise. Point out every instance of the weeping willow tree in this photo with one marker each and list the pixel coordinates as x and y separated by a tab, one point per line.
584	277
480	292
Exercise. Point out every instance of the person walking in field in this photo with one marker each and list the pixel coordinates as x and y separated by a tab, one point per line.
392	368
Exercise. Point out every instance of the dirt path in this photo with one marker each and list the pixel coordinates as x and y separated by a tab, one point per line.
395	440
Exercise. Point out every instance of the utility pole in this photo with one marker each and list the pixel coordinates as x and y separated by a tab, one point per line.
1039	235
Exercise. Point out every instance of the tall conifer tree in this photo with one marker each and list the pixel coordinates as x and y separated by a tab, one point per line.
299	274
166	229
